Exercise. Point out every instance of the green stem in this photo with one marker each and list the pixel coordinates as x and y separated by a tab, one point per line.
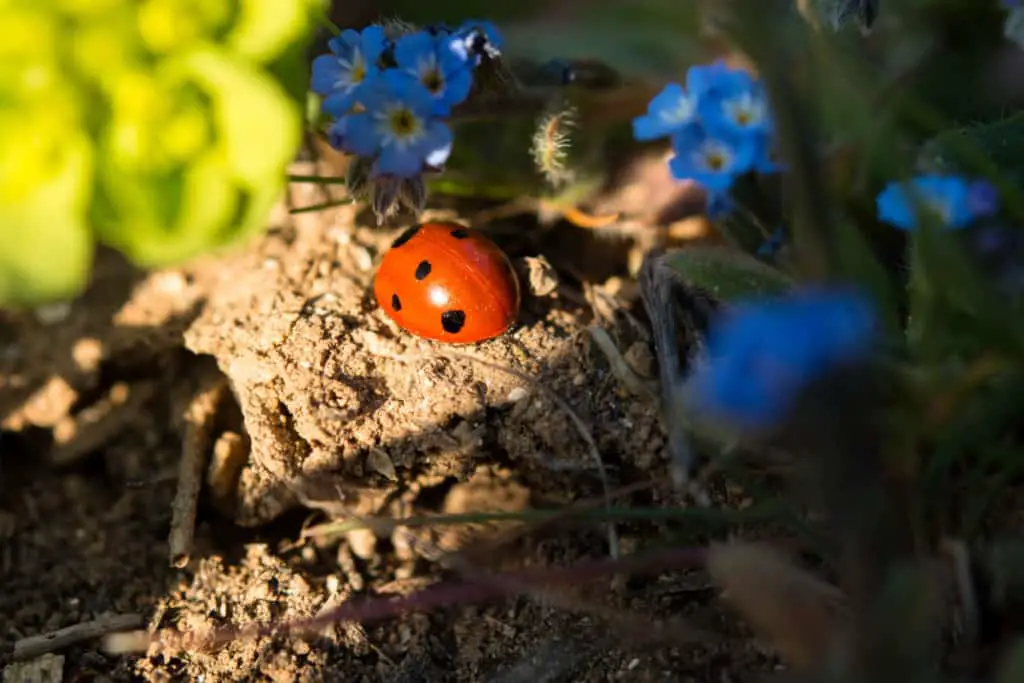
321	207
326	22
320	180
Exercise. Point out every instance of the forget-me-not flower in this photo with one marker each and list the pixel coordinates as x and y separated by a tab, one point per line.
948	197
713	160
427	59
737	102
761	354
720	125
342	75
397	127
669	112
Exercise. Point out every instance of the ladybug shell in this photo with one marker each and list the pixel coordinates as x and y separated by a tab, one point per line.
449	283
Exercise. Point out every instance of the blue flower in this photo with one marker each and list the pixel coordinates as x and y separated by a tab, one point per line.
397	128
983	199
713	161
707	79
474	39
341	76
736	102
670	111
948	197
427	60
761	354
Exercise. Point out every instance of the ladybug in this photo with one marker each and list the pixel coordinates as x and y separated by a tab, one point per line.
446	282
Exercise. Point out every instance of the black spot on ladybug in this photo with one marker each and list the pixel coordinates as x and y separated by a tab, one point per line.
460	233
453	321
423	270
396	303
405	236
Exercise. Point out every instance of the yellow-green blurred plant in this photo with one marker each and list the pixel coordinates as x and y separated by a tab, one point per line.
161	128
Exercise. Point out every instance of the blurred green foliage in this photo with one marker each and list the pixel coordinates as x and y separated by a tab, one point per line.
161	128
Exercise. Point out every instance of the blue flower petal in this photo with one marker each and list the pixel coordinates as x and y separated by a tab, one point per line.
326	71
403	162
760	354
669	111
345	43
355	134
459	83
898	203
437	142
372	43
409	91
690	161
702	79
411	48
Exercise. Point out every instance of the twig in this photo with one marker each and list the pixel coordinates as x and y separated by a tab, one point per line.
33	646
195	450
636	384
581	427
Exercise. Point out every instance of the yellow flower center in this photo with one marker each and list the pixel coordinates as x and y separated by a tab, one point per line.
433	81
358	69
403	123
715	160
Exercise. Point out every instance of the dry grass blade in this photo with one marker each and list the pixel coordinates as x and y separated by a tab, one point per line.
798	612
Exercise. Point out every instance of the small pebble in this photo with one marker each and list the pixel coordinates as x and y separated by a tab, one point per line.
518	394
51	314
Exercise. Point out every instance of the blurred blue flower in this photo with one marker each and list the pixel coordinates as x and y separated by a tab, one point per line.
669	112
341	76
707	79
720	125
761	354
427	60
948	197
737	102
397	128
714	161
474	39
983	199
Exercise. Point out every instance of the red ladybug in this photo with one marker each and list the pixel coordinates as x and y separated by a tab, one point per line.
449	283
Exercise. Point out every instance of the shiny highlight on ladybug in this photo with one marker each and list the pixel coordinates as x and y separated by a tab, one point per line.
446	282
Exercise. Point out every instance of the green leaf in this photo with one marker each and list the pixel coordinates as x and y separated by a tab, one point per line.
259	125
266	28
655	38
954	310
47	252
727	275
1011	669
163	213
